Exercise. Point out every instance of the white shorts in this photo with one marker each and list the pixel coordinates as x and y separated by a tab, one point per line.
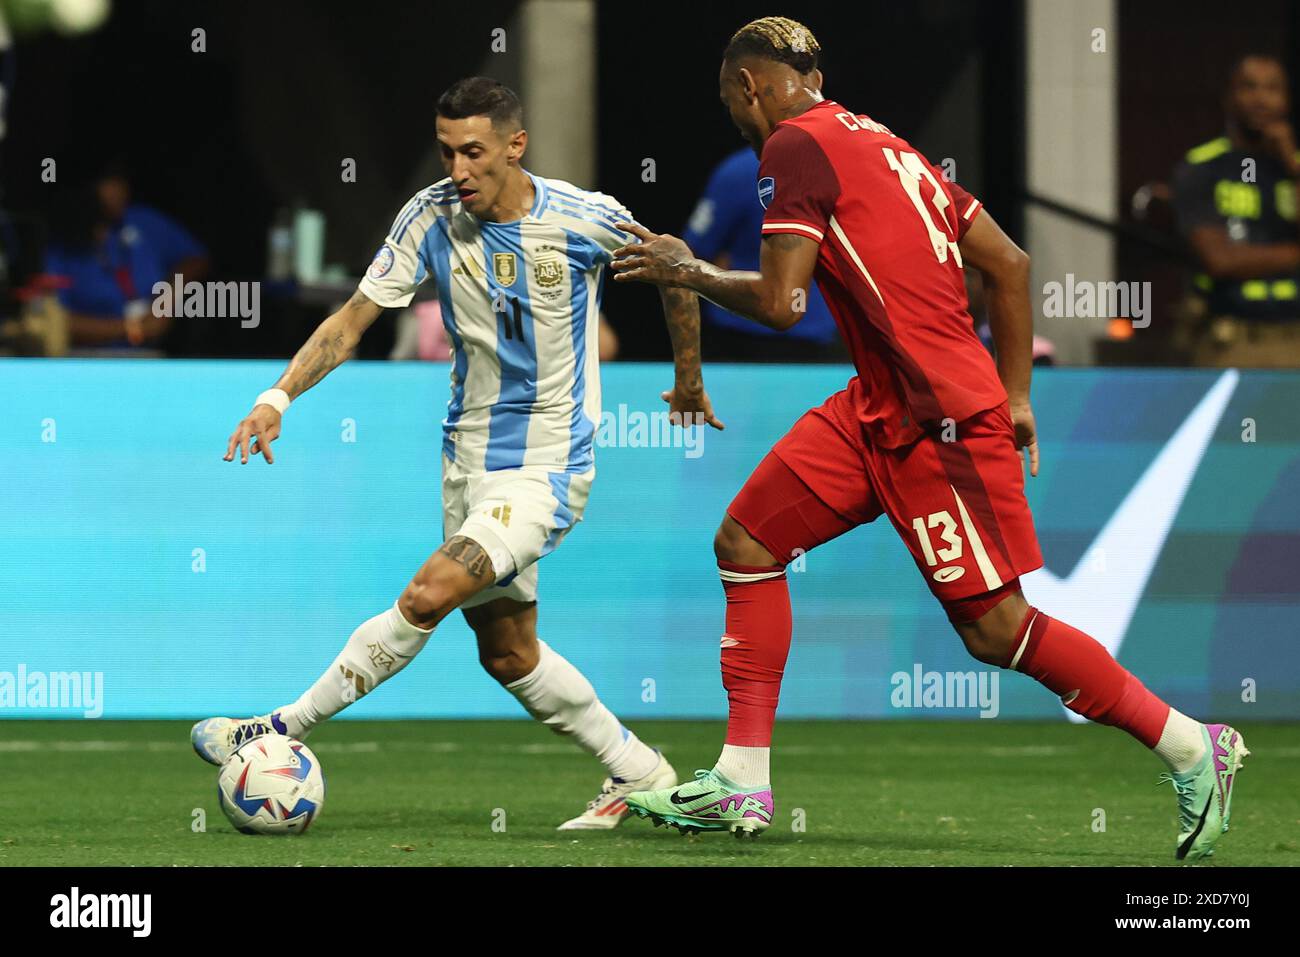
516	515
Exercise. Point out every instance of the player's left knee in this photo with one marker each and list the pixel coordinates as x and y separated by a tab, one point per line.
990	637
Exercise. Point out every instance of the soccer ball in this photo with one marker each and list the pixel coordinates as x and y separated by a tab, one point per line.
271	785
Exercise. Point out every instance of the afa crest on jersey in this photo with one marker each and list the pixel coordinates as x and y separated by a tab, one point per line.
548	272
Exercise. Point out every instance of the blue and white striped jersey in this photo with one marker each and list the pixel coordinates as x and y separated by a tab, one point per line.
521	303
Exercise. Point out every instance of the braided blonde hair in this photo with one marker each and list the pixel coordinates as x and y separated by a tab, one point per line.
776	38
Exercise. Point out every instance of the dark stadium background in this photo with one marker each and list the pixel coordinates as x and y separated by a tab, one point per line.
287	89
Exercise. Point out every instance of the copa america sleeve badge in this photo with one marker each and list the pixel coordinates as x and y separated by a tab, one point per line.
382	263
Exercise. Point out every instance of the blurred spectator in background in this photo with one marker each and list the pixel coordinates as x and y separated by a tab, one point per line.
726	229
108	253
1235	199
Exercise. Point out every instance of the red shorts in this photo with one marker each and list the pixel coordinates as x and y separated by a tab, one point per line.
958	505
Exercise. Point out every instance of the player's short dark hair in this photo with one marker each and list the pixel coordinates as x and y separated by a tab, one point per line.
482	96
775	38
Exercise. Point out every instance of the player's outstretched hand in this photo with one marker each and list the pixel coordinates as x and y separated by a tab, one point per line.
262	427
659	259
690	408
1022	418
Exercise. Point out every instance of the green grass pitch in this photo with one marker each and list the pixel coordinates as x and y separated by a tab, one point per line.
429	793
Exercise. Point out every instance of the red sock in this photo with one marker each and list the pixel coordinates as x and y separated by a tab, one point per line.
755	646
1079	671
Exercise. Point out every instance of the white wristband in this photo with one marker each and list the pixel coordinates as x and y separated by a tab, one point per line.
277	399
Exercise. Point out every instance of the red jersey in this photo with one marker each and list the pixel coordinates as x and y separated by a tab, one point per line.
888	267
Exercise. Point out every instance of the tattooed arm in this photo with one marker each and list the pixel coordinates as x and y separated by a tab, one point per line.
776	296
327	348
688	403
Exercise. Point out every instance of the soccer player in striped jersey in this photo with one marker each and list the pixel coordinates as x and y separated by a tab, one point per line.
928	433
518	261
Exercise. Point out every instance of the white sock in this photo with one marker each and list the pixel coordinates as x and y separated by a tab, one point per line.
747	767
557	694
1181	744
377	650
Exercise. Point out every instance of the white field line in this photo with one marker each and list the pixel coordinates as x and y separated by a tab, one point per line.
22	745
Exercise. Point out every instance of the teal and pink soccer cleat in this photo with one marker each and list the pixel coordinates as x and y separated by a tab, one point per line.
216	739
709	803
1205	792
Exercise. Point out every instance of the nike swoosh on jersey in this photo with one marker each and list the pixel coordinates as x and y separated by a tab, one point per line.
1101	600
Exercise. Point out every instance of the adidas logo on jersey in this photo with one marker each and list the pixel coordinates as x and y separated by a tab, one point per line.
469	269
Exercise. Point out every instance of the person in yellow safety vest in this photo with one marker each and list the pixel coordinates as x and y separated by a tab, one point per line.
1235	200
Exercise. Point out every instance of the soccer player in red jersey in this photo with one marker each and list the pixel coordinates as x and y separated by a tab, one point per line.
929	433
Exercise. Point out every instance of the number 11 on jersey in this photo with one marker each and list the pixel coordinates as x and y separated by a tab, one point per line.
508	311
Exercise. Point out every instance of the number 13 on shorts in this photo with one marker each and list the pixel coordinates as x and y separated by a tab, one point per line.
940	542
947	526
950	545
